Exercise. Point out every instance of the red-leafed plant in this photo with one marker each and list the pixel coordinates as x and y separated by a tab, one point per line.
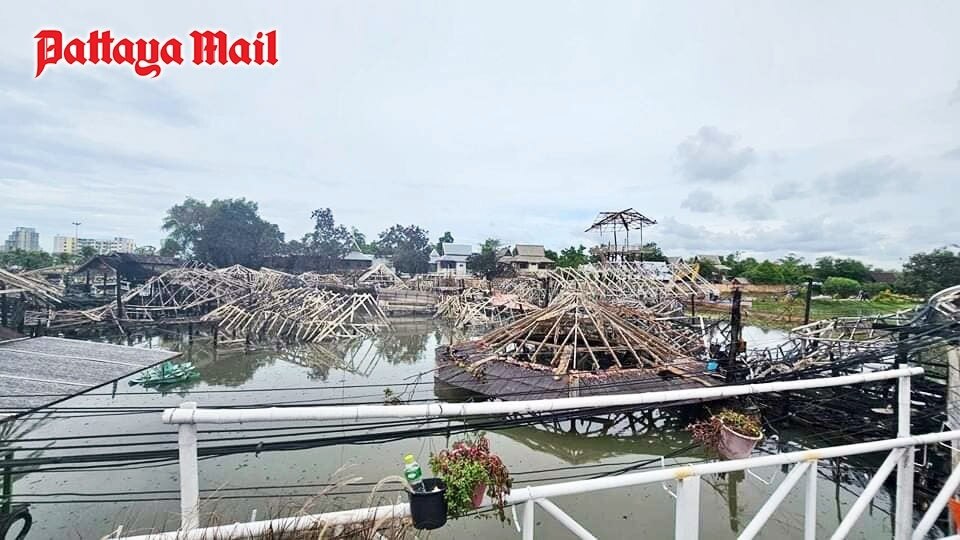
464	468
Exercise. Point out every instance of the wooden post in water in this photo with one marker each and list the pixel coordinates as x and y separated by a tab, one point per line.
22	313
806	308
693	305
735	331
3	305
119	296
7	482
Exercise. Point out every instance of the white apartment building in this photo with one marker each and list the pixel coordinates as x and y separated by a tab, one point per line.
73	246
25	238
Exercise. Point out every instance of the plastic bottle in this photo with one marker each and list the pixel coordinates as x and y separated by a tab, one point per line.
412	472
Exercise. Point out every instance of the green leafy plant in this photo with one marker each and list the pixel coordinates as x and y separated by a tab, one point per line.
466	465
707	432
390	398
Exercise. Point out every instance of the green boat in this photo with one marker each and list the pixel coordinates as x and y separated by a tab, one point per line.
166	373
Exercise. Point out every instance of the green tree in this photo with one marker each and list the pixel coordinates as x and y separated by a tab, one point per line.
170	248
793	268
223	233
25	260
826	267
551	254
87	252
408	247
573	257
765	272
370	248
447	238
485	262
840	286
652	252
928	273
328	242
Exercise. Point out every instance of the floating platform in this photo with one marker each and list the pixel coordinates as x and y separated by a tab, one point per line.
577	347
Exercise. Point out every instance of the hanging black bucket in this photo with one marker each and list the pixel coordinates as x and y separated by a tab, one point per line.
429	507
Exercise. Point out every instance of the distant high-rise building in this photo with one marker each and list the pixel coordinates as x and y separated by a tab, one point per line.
25	238
74	246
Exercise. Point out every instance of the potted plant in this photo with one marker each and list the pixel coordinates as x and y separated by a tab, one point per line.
469	470
731	434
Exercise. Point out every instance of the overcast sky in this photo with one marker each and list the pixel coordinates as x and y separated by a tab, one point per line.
808	127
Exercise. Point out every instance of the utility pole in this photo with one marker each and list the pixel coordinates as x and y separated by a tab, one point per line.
76	236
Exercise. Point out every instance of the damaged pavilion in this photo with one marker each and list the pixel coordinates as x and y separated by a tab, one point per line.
577	346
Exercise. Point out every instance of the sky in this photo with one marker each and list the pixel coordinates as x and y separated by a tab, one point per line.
817	128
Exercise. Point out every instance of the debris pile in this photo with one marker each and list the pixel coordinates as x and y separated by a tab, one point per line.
634	284
254	304
577	344
38	290
477	307
299	315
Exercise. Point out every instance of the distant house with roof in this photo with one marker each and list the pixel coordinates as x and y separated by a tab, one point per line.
527	258
355	260
129	266
881	276
103	272
453	261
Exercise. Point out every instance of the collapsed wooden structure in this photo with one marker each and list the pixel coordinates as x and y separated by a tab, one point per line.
633	284
255	305
577	345
301	315
477	307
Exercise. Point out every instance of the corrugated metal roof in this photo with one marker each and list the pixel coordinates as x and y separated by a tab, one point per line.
41	371
357	256
530	250
464	250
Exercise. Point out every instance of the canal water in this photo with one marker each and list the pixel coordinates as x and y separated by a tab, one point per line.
68	502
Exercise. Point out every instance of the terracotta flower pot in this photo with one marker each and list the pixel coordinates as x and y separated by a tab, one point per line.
479	491
954	505
735	445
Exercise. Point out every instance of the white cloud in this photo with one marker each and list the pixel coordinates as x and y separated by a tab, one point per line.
387	115
711	154
701	200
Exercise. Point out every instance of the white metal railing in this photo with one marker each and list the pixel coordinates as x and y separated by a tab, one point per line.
901	450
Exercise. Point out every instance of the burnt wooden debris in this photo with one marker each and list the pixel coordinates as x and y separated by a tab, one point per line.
576	346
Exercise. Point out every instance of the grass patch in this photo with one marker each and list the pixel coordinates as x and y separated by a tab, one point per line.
776	310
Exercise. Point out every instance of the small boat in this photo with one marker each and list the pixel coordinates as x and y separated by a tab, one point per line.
166	373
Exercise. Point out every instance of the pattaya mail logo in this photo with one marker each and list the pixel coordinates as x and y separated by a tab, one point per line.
209	47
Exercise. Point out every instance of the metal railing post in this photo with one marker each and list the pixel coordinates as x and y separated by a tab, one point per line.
810	506
528	520
565	520
933	512
903	520
868	493
777	497
189	473
688	508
